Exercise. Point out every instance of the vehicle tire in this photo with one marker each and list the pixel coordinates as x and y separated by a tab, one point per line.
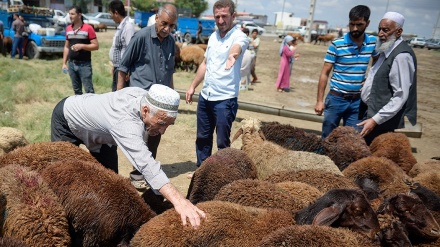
32	50
187	38
260	33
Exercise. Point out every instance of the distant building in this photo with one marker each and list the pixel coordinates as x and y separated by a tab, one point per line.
321	27
286	20
260	20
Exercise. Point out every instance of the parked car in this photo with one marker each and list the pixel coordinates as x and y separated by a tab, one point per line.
59	17
417	42
435	45
102	17
93	23
251	26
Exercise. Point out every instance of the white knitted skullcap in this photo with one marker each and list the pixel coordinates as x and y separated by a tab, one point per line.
163	97
394	16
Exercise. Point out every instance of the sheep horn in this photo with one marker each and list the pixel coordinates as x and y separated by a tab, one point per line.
238	134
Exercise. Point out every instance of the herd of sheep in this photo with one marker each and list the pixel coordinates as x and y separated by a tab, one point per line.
285	187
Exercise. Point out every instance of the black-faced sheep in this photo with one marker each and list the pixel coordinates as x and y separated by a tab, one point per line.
314	236
344	145
341	208
192	55
260	194
218	170
396	147
321	180
414	216
429	179
430	165
10	139
382	172
32	212
270	158
39	155
226	224
103	208
292	138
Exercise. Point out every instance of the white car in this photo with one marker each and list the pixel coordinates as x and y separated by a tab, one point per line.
251	26
91	22
59	17
417	42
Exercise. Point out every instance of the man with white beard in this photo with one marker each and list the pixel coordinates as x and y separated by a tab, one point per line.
390	90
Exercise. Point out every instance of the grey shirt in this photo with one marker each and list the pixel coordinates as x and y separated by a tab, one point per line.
148	60
115	119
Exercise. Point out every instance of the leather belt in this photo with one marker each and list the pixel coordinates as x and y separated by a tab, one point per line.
346	96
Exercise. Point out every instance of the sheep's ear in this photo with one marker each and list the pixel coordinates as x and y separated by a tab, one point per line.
239	133
328	215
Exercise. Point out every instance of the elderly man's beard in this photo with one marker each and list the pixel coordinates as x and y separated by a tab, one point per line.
383	47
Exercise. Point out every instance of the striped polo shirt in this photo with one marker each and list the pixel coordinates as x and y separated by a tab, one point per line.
349	63
82	35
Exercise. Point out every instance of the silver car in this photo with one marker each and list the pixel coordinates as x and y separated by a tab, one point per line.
102	17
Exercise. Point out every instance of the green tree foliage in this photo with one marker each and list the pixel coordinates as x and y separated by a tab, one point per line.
144	5
197	6
82	4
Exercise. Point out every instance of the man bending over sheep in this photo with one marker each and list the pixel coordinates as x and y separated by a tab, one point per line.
124	118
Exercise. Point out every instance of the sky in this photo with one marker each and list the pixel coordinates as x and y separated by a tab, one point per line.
421	16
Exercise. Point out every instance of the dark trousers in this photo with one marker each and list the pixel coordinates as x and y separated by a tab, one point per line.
214	115
17	44
60	131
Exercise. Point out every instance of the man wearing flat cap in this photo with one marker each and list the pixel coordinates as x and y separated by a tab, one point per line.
124	118
389	93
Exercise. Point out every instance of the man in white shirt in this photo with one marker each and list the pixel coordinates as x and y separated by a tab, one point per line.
390	90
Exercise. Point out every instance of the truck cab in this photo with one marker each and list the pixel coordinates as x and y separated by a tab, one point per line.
41	36
187	27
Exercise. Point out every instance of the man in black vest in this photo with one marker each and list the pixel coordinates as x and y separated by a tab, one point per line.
389	93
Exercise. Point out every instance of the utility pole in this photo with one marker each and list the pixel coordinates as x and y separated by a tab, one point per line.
310	20
436	27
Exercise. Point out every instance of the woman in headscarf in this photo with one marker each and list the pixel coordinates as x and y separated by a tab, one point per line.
288	56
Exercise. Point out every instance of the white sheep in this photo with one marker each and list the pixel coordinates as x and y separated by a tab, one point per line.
10	139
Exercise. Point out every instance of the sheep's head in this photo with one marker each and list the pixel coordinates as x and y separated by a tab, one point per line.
413	214
392	232
341	208
248	127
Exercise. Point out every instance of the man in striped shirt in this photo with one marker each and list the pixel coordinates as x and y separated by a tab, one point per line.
348	57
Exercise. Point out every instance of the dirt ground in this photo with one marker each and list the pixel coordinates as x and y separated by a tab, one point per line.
177	148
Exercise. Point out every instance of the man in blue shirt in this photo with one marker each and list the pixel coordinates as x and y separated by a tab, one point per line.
217	106
348	57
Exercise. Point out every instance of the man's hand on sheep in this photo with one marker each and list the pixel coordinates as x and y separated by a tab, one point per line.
369	125
183	206
231	60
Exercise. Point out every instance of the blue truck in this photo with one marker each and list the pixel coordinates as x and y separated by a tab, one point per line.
35	43
187	27
141	18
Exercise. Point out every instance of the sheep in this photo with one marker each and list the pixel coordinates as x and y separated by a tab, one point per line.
7	45
425	166
177	58
101	27
260	194
325	38
321	180
292	138
396	147
314	236
341	208
30	210
226	224
270	157
414	216
303	193
157	203
298	36
389	177
203	46
344	145
11	242
429	179
10	139
39	155
102	207
192	55
221	168
392	231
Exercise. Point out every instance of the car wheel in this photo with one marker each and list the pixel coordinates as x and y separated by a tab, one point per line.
32	50
187	37
260	33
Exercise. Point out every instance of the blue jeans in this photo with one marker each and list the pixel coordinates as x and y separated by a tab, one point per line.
81	74
211	115
337	108
18	43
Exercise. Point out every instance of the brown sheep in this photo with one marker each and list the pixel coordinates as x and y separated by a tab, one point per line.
177	58
203	46
321	180
10	139
344	145
11	242
218	170
430	165
429	179
101	27
7	45
102	207
226	224
32	212
396	147
192	55
39	155
325	38
298	36
314	236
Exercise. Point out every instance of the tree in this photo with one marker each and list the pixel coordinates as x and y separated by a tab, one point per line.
82	4
197	6
144	5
